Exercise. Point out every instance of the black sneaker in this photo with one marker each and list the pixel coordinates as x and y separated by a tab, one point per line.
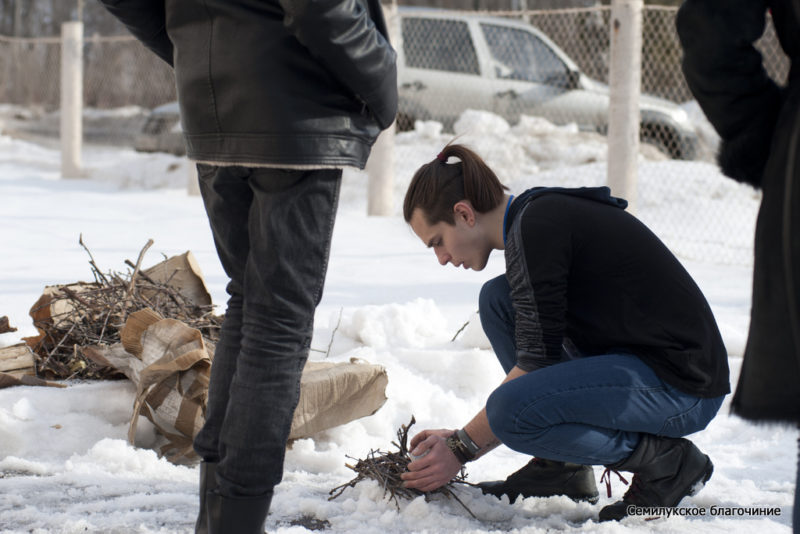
665	471
546	478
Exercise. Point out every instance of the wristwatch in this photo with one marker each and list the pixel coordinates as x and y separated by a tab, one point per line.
464	449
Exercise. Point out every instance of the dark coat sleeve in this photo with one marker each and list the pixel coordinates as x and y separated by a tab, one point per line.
726	75
146	20
344	37
539	290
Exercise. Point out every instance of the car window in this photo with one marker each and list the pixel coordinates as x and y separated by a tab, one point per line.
439	44
520	55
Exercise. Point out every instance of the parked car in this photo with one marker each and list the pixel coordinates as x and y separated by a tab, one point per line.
452	61
162	131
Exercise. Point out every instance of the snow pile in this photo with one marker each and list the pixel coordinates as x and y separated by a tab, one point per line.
65	466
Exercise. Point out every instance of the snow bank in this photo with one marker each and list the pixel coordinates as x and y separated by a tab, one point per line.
65	466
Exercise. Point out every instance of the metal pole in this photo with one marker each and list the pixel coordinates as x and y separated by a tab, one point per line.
71	98
625	72
18	18
192	181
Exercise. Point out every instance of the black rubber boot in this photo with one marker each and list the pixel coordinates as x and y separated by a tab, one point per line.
208	482
237	515
546	478
665	470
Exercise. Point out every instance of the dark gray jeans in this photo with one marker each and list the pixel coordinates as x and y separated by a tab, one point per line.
272	229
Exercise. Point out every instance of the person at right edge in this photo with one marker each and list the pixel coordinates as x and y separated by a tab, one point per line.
276	97
759	125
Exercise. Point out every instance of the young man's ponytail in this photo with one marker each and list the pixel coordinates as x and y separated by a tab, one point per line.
437	186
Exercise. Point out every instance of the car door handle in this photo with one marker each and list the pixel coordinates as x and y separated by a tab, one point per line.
510	94
415	85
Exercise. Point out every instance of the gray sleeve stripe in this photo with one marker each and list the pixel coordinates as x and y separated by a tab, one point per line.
528	331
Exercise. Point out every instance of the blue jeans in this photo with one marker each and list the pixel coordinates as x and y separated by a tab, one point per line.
589	410
272	230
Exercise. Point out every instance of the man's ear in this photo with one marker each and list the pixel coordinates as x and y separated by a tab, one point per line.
463	210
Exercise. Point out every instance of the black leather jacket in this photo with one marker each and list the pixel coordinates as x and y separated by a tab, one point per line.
273	82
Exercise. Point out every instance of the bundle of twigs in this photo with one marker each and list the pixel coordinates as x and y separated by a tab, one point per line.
94	313
386	468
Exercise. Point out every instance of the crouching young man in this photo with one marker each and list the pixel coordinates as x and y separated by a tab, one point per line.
611	351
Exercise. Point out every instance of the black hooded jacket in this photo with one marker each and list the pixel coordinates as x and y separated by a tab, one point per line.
273	82
581	268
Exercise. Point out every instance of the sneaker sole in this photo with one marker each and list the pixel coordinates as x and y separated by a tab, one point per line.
591	500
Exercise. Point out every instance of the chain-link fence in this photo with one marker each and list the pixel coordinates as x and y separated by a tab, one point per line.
118	71
543	63
551	64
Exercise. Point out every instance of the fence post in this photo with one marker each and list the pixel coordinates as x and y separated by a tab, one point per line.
380	165
625	73
71	98
192	181
380	175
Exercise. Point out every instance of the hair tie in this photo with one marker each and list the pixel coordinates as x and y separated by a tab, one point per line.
441	157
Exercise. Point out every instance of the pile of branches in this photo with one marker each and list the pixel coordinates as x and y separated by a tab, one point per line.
386	468
96	312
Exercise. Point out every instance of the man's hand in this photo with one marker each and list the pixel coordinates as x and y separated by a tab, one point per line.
436	468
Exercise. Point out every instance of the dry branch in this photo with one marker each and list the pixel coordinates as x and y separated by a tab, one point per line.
70	317
138	265
386	468
461	329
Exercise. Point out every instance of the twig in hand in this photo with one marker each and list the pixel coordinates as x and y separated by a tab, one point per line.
386	468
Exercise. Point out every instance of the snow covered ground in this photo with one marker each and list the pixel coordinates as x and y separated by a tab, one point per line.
65	465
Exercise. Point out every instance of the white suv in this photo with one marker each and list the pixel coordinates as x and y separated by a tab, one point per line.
452	61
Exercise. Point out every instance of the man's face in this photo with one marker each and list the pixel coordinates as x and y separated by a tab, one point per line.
460	244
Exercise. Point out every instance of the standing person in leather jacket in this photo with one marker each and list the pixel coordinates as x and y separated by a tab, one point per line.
276	96
759	125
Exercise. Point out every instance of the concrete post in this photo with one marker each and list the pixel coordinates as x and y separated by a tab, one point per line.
192	183
71	98
625	73
380	165
380	175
